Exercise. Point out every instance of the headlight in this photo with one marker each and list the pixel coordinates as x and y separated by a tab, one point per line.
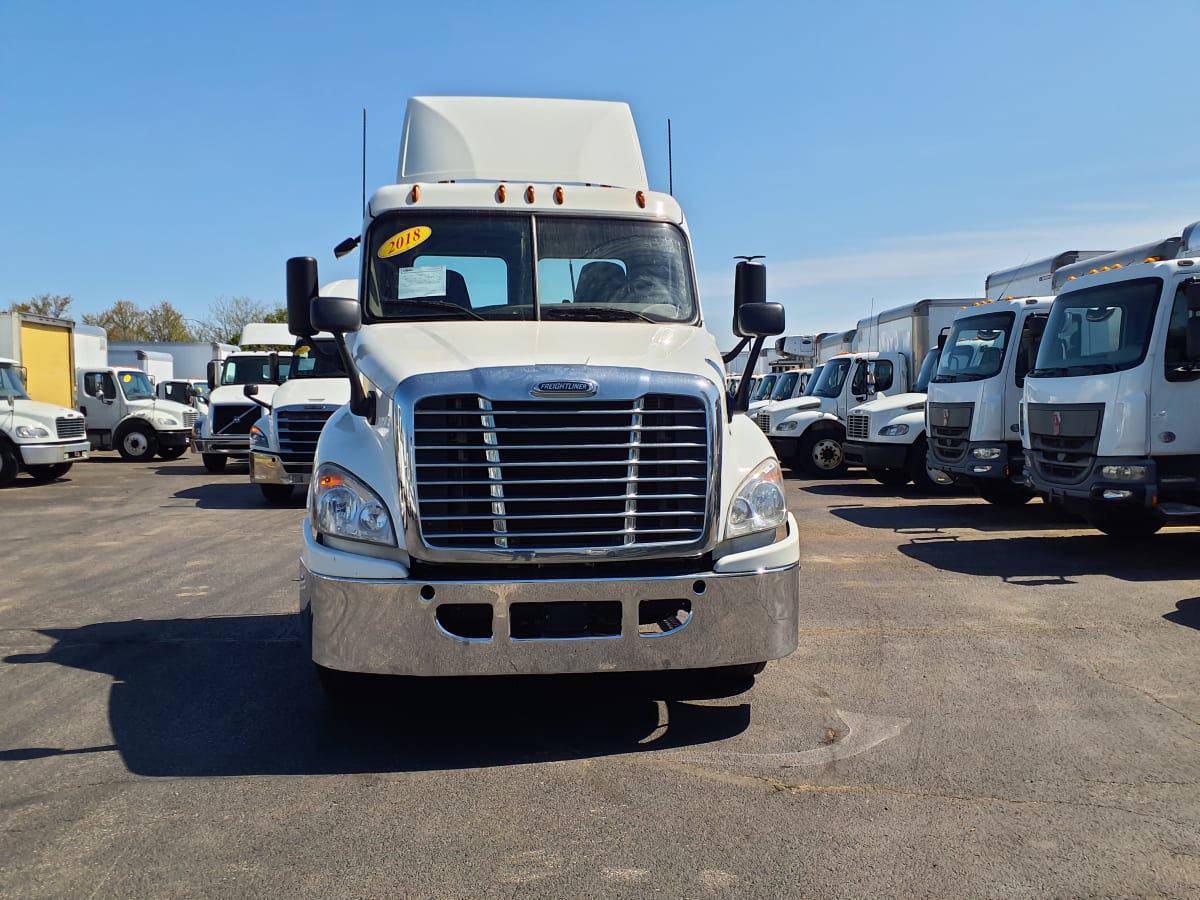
787	426
893	430
31	431
1124	473
342	506
759	503
257	437
165	421
987	452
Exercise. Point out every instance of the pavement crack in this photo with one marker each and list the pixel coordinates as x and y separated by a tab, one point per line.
1149	696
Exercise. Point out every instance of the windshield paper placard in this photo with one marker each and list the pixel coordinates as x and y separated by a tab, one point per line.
405	240
427	281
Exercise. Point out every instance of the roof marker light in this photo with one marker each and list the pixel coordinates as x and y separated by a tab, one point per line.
529	194
502	193
559	195
415	194
641	199
1150	259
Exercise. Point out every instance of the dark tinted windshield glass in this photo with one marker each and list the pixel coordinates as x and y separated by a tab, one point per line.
928	367
785	385
317	359
10	384
975	348
1097	330
833	376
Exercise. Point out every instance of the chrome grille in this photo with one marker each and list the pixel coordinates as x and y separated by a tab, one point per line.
298	431
73	427
561	475
949	427
189	417
234	418
764	422
1063	439
858	427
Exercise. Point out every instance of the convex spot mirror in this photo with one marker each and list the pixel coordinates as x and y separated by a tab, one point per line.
759	319
337	315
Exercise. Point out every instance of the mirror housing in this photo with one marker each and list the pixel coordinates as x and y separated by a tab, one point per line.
749	287
337	315
212	370
302	280
759	319
250	390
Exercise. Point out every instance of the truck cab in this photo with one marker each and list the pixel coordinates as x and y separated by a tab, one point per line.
1110	424
40	439
124	414
539	470
191	392
790	384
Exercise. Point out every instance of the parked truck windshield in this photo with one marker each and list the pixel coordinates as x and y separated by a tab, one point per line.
1097	330
317	359
10	384
832	377
252	369
458	266
135	385
975	348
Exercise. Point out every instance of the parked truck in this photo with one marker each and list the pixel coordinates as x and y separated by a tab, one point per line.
283	442
188	383
44	348
42	439
887	435
124	414
224	433
159	366
539	470
1110	423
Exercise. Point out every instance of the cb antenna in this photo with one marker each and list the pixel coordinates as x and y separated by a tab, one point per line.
670	162
364	163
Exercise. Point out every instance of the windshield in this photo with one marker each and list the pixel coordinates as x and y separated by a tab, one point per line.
445	266
812	381
249	369
10	384
785	385
317	359
135	385
975	348
833	376
1100	329
763	390
928	367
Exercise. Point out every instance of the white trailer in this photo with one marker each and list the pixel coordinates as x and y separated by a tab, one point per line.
157	365
191	358
830	345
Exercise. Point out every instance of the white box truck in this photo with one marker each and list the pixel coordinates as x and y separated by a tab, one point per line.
159	366
188	383
1110	423
283	442
973	414
886	435
539	470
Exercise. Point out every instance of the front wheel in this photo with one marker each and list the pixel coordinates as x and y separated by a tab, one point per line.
890	477
931	481
1132	524
171	452
276	493
821	454
49	472
1003	493
215	462
137	443
9	464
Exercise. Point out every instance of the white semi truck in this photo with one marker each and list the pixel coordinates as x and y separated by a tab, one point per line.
283	442
41	439
224	433
886	436
539	470
973	415
1110	423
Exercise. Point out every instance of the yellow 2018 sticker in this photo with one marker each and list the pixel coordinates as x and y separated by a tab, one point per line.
405	240
127	378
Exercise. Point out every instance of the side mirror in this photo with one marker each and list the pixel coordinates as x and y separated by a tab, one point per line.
943	336
759	319
212	370
749	288
272	369
301	290
250	390
337	315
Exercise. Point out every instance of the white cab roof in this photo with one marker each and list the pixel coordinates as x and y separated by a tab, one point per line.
521	139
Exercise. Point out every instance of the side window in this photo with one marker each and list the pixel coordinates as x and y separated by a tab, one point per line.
858	385
883	374
91	383
110	386
1175	349
1031	337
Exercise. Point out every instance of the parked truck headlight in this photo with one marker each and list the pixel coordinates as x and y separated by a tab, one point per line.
987	452
344	507
759	503
1123	473
787	426
26	432
893	430
162	420
257	438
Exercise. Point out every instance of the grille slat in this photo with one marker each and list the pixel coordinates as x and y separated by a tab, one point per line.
490	473
949	430
233	418
70	427
858	427
298	431
1063	439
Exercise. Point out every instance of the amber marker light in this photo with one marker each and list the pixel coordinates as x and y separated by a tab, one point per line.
415	195
559	195
502	193
529	194
332	480
641	199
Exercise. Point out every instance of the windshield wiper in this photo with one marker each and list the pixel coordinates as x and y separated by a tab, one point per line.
594	313
1052	372
439	305
1092	369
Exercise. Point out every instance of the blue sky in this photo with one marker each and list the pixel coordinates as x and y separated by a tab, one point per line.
876	153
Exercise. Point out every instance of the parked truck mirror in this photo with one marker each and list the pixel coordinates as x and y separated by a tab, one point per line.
337	315
250	390
213	371
301	290
749	287
943	336
759	319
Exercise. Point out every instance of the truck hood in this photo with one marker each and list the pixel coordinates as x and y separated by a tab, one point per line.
232	393
893	403
389	354
37	411
302	391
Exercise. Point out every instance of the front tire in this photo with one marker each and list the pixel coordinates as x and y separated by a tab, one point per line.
820	454
9	464
1003	493
49	472
1130	524
276	493
171	452
137	443
215	462
890	477
922	476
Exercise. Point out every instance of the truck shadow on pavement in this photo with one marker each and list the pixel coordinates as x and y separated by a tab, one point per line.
238	495
236	696
1033	561
930	519
1186	612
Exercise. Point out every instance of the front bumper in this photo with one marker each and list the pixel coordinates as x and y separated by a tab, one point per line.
1009	464
1096	490
390	626
172	439
876	455
266	468
238	445
49	454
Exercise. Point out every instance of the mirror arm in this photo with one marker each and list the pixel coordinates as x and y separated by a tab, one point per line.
361	404
729	357
740	402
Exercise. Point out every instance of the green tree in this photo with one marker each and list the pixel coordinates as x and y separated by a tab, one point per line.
56	306
165	323
123	321
226	318
278	314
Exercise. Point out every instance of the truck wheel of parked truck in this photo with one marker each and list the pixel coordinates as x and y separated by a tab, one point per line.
9	464
820	453
137	442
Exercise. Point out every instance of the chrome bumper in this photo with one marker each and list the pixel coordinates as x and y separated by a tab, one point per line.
49	454
238	445
390	626
268	469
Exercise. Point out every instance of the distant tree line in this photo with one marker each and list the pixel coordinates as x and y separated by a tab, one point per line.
126	321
